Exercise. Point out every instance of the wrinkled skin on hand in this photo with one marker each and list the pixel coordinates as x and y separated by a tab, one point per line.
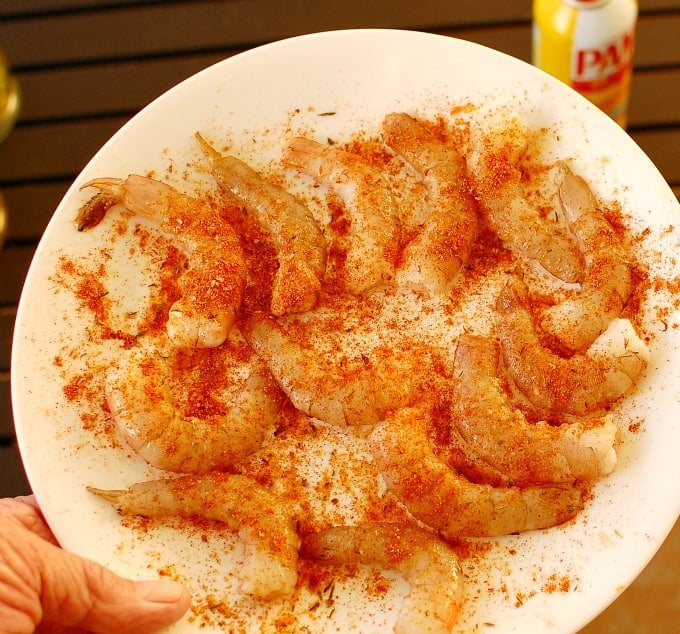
45	589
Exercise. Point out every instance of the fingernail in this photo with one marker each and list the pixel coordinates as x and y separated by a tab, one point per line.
160	591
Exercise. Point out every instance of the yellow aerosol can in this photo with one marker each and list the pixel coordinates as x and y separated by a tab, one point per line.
588	44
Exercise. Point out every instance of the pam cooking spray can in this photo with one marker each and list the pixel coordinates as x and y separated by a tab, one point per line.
588	44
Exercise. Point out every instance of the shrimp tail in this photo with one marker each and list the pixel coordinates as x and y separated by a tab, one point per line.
114	496
210	152
95	209
265	526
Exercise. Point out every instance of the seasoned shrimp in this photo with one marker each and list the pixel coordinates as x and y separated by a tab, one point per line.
430	567
326	391
300	245
581	384
438	495
212	286
607	284
443	243
500	435
373	239
264	524
496	147
141	395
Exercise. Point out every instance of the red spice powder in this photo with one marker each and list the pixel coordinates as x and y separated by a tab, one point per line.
78	387
168	292
92	292
259	253
201	374
557	583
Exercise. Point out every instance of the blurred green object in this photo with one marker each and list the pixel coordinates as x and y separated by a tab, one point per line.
3	219
10	98
10	101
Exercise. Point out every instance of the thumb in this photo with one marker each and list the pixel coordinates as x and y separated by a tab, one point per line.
80	594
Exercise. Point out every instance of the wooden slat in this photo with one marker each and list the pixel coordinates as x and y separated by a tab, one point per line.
30	206
55	150
126	86
215	24
657	40
7	316
13	480
10	8
513	39
184	27
663	147
657	5
14	261
6	422
654	97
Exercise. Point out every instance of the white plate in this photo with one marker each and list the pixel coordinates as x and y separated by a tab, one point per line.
252	100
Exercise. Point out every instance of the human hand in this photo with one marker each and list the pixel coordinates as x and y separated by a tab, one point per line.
48	590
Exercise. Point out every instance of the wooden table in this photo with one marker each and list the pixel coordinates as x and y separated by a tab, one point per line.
86	66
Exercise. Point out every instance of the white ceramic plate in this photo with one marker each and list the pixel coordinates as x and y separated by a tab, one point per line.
555	580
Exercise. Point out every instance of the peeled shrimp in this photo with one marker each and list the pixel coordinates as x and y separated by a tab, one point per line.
500	435
324	390
212	286
430	567
300	245
581	384
443	243
140	395
442	498
264	525
373	238
578	320
496	147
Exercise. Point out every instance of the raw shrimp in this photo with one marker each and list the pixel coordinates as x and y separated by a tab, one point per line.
141	392
438	495
262	520
212	286
430	567
605	289
450	447
500	435
443	243
496	147
374	231
581	384
324	390
299	243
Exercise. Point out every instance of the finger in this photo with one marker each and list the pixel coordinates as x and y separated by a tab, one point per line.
90	597
157	605
25	510
42	584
